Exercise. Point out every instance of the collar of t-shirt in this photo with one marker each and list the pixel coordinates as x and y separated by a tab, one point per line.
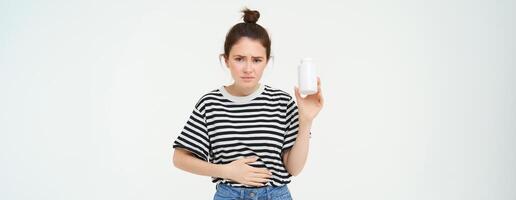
242	99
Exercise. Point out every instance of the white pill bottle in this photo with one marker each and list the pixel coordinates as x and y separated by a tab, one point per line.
307	77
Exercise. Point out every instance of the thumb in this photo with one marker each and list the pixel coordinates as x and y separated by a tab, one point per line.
298	95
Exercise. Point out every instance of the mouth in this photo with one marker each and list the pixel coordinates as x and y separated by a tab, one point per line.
247	78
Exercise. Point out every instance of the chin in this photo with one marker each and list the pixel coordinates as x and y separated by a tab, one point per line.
248	84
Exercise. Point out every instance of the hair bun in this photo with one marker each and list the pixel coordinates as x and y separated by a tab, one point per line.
250	16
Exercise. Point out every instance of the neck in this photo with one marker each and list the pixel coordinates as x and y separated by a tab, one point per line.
237	90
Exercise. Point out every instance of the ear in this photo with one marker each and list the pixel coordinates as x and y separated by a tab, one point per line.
225	58
269	60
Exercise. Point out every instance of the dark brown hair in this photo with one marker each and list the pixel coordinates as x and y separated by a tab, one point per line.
249	28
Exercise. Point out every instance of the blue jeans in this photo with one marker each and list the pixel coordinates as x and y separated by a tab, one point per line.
227	192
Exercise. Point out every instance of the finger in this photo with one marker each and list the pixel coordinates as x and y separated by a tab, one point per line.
265	171
250	159
319	94
321	98
318	84
319	91
260	180
262	171
251	183
262	175
296	92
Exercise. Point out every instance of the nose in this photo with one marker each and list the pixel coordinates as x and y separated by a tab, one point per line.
248	67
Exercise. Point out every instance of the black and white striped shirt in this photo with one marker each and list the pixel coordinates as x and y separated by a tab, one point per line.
223	128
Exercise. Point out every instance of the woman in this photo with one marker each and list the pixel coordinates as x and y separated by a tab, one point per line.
249	137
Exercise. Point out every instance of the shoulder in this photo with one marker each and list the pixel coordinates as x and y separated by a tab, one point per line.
282	96
275	92
213	95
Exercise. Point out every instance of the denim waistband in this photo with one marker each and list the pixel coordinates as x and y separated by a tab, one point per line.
251	193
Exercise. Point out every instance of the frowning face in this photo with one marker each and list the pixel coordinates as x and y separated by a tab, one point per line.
247	61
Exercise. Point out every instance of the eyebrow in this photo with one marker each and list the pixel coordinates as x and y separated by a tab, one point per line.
251	56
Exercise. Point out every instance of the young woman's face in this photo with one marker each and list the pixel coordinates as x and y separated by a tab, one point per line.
246	61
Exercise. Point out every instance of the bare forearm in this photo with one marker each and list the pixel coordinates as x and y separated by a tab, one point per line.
187	162
297	156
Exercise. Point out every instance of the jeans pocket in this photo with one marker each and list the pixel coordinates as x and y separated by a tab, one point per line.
285	196
219	196
281	193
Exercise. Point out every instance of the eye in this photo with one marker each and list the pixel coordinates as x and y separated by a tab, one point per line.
239	59
257	60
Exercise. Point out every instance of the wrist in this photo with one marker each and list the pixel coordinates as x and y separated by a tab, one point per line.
304	127
305	122
222	170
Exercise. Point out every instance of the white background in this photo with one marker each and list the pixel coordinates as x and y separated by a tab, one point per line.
420	95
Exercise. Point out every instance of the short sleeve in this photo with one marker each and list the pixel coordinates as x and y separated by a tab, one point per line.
292	125
194	136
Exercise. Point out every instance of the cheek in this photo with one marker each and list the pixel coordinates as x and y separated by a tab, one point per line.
260	68
235	70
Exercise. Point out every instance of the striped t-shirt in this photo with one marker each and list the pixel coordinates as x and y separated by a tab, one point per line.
223	128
